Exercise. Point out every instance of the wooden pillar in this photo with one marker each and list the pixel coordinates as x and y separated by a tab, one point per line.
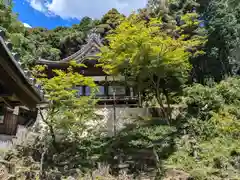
131	92
10	122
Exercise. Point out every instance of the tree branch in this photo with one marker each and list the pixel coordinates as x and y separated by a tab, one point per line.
52	133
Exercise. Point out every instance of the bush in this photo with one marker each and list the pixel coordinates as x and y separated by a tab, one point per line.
214	159
209	148
204	144
229	89
202	100
212	111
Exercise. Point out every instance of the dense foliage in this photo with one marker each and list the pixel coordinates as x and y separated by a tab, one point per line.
223	27
55	44
172	51
209	147
64	104
155	60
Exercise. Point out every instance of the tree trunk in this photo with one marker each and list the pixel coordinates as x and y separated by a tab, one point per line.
159	99
169	111
42	162
54	143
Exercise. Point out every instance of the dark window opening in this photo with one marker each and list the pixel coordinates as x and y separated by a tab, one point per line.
79	91
1	114
100	91
119	90
87	91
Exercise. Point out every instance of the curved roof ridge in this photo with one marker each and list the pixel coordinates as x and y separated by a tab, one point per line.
92	39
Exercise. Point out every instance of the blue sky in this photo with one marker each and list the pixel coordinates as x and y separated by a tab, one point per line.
53	13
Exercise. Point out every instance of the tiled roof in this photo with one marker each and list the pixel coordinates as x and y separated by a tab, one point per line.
93	42
16	64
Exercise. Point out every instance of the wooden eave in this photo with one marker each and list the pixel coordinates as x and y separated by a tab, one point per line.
14	79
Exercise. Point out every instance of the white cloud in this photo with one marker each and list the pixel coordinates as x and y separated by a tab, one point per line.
38	5
27	25
80	8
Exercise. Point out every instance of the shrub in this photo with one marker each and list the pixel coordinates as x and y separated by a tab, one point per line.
209	148
202	100
214	159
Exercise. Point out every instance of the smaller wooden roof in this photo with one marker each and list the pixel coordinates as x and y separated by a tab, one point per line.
88	51
15	78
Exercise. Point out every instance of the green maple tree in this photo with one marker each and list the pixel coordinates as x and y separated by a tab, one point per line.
150	56
66	112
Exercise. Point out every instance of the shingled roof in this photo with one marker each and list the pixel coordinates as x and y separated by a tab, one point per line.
19	80
87	51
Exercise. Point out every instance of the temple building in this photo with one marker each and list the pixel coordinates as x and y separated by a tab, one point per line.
19	93
111	89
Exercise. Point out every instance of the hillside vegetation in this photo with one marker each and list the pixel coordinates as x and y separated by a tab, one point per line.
179	53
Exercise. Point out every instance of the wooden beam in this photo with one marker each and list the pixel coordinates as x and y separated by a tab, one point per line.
23	94
4	92
7	102
13	77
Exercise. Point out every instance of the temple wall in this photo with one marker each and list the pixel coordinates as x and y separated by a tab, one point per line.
23	134
7	141
124	115
105	122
